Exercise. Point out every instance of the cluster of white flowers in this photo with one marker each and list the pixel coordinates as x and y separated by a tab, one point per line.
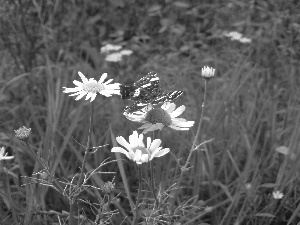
234	35
114	52
153	118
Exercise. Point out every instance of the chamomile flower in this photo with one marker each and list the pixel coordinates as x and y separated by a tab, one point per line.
3	155
158	118
136	151
277	194
90	87
207	72
109	47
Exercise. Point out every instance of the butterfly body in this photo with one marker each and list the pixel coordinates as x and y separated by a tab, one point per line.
146	91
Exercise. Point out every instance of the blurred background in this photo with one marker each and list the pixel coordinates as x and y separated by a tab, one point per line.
252	105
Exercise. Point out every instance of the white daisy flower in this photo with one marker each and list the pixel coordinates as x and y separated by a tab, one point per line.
277	194
90	87
157	118
109	47
207	72
126	52
136	151
3	155
114	57
233	35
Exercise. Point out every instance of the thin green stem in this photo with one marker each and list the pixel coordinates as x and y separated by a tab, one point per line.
136	214
45	167
153	184
183	169
152	176
87	148
199	127
81	177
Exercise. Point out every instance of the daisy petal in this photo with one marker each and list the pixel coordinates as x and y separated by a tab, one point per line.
155	144
166	105
83	78
148	142
120	150
161	152
145	158
179	128
80	96
77	83
178	111
123	142
102	78
108	81
170	108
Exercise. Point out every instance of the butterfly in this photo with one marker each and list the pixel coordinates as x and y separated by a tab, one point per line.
143	90
146	91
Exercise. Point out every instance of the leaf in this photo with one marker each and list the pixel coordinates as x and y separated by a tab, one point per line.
154	10
117	3
264	215
268	185
181	4
283	150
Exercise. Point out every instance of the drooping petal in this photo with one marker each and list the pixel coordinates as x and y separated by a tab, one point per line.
179	128
162	152
89	95
93	97
120	150
68	90
152	127
183	123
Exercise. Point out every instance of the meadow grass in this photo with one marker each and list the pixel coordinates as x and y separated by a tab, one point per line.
251	112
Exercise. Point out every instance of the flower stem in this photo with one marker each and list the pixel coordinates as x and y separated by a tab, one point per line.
152	177
184	168
153	184
199	127
87	148
45	167
136	215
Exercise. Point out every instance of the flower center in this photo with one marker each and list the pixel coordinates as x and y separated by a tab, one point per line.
93	87
143	149
159	115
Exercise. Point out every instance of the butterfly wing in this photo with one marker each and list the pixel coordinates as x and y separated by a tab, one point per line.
148	82
146	91
143	90
127	91
167	97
